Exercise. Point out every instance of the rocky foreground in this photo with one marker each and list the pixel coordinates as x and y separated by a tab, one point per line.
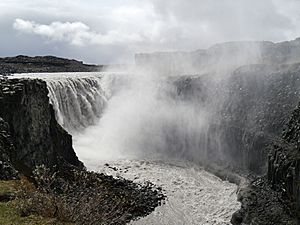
37	150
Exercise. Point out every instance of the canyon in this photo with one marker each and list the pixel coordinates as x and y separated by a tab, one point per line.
239	101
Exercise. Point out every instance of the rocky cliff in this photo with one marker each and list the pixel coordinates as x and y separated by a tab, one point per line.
36	136
274	199
248	109
46	64
284	162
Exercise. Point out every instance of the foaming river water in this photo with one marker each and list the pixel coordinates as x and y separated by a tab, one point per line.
194	196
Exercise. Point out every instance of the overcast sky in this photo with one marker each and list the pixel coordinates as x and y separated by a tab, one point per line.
111	31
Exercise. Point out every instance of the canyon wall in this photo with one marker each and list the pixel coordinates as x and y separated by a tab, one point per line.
248	109
36	136
284	162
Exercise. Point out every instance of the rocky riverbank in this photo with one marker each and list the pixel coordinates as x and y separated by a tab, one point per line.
34	145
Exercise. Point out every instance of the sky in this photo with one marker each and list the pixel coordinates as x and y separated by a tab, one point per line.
112	31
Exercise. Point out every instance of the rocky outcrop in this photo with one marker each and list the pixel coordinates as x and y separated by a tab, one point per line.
284	162
7	171
261	205
46	64
37	137
261	99
275	198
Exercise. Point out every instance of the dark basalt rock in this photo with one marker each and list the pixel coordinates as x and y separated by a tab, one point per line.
263	98
261	205
37	137
40	64
275	199
7	171
284	162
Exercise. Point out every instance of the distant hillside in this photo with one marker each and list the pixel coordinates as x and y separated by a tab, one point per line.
221	57
39	64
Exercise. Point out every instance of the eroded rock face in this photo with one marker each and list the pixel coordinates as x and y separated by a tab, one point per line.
261	205
7	171
275	198
248	109
284	162
37	137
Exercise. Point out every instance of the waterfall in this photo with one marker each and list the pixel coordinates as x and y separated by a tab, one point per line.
78	99
226	118
78	102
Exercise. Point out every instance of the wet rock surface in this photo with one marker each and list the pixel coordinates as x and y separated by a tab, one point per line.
40	64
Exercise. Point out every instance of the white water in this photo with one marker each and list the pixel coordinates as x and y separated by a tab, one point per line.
137	125
194	195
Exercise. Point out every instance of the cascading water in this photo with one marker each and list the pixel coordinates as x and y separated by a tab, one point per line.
78	103
78	99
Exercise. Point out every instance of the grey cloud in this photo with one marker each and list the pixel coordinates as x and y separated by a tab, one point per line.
212	21
107	31
75	33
